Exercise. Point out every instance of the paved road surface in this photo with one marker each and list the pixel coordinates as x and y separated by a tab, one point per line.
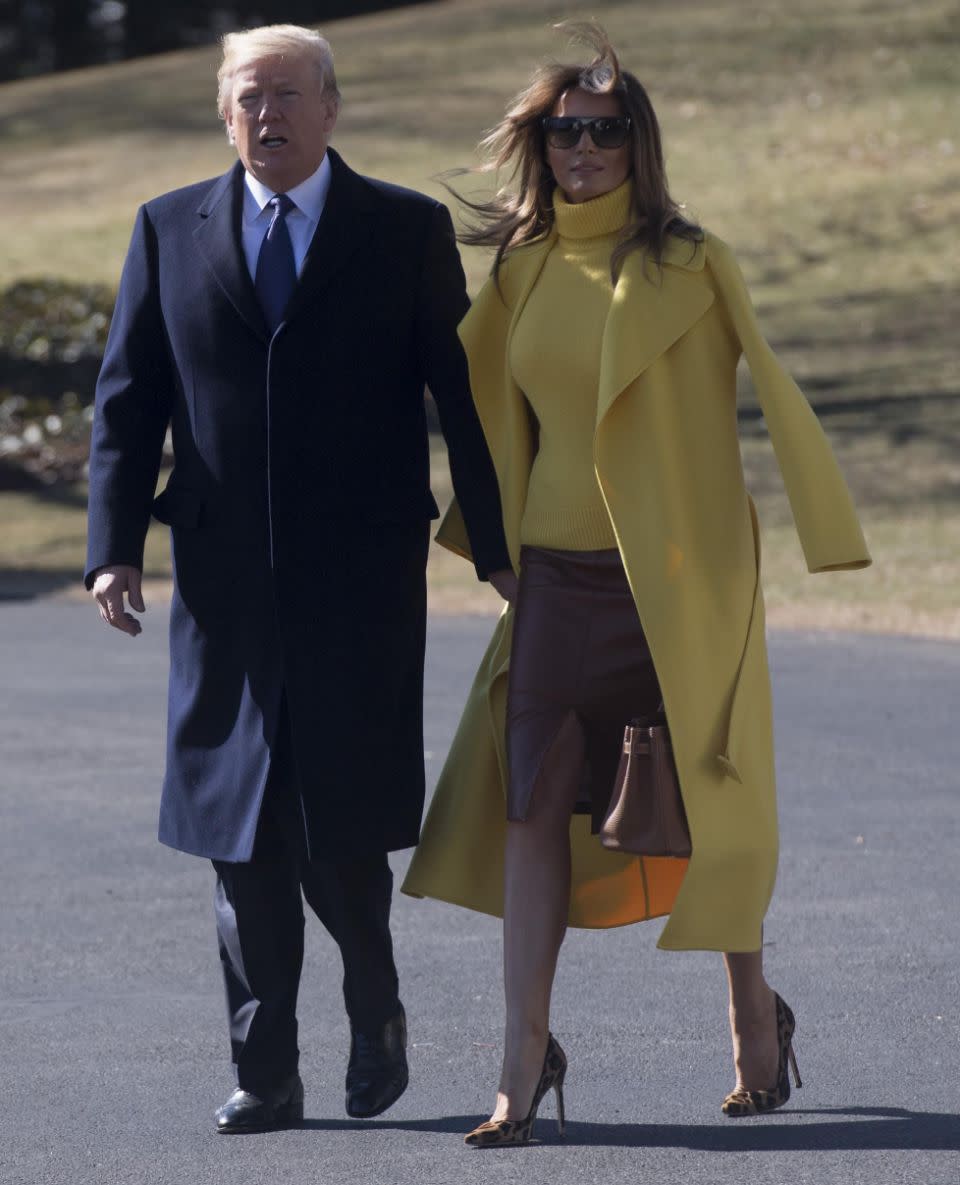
112	1037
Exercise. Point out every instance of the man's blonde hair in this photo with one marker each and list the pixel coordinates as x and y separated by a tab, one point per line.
270	41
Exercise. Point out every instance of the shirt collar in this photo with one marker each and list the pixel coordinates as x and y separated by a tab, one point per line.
309	196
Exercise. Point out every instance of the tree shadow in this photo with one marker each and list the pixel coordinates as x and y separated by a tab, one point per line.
850	1129
70	494
896	421
27	584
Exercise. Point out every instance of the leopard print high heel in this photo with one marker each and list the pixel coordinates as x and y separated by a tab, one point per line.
741	1102
504	1133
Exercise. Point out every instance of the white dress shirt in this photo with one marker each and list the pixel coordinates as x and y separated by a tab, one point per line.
309	198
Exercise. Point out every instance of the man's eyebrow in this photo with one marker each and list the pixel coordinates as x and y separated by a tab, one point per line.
255	86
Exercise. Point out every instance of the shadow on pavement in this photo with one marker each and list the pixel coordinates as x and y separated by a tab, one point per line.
851	1129
454	1124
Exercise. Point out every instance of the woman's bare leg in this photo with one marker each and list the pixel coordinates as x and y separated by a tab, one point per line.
536	902
753	1023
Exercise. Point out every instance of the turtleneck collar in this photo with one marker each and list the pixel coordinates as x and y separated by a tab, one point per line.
602	215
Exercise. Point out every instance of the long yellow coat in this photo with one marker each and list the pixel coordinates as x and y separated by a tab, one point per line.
668	462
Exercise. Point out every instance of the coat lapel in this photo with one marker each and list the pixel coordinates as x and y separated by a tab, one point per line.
648	313
486	332
218	241
534	258
344	227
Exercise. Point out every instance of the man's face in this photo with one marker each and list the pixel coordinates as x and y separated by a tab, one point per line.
279	119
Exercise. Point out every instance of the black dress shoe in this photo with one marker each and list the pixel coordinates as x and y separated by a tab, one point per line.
279	1107
377	1073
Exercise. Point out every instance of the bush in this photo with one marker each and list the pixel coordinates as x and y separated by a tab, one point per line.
52	337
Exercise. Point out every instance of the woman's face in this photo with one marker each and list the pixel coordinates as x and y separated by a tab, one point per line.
586	171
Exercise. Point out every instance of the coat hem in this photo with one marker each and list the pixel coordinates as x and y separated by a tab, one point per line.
713	946
452	899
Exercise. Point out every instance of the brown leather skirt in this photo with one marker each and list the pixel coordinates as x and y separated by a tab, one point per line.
580	666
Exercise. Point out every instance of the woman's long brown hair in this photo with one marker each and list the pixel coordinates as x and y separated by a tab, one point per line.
522	211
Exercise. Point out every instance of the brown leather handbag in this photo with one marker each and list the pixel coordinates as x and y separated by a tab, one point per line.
646	814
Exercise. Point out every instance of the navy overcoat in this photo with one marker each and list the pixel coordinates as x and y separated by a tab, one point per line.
299	502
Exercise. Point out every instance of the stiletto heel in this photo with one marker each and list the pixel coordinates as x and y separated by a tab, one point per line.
505	1133
793	1065
741	1102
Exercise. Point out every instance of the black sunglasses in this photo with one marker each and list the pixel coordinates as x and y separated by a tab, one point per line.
606	131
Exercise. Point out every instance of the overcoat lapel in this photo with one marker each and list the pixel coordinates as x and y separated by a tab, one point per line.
344	227
534	259
486	332
648	313
218	241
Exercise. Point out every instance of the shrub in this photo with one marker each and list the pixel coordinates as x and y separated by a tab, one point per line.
52	335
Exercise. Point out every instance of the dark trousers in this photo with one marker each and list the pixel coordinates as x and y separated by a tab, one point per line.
260	923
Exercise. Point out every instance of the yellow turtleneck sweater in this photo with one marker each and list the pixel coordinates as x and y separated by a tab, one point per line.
555	359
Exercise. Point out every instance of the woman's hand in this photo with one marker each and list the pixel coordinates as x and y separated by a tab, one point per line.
504	580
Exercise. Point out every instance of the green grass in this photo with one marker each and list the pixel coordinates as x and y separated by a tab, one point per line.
819	139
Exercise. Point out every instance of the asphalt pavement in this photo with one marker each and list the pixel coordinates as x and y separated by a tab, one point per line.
113	1046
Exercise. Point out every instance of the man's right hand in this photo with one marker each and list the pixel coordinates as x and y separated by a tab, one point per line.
108	588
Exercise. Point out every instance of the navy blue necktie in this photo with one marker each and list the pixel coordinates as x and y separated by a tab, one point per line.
276	267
